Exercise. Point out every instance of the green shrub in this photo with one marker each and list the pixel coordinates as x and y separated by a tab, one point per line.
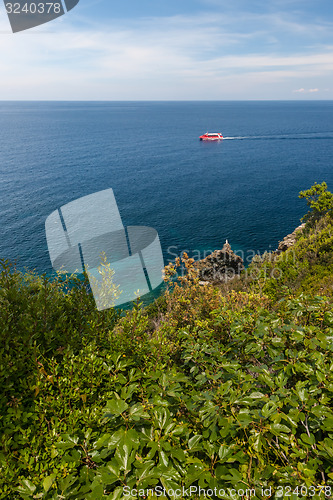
206	387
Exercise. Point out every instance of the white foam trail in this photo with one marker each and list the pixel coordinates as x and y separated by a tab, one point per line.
319	135
232	138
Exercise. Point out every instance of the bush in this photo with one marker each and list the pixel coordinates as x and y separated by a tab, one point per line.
204	388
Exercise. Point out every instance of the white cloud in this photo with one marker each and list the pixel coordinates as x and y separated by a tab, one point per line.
306	91
155	58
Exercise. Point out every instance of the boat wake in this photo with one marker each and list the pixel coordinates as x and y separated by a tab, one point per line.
320	135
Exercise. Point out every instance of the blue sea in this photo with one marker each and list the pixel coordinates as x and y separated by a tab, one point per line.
195	194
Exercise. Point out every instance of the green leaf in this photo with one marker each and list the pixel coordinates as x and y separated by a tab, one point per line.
163	458
48	481
153	449
321	411
170	479
328	424
115	407
124	456
144	471
162	417
193	442
138	412
176	430
28	487
301	391
179	454
268	409
308	439
110	472
277	429
257	395
68	443
224	452
256	441
127	391
97	493
102	441
117	494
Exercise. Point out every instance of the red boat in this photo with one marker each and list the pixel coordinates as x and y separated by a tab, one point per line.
216	136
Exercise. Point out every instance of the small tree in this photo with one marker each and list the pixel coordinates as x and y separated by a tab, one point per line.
320	201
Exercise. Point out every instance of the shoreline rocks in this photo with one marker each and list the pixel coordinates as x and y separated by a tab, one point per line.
289	240
221	265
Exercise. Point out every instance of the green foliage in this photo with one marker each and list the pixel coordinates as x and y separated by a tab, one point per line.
203	388
306	267
320	201
105	291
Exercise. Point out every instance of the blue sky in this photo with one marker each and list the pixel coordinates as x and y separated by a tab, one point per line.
173	50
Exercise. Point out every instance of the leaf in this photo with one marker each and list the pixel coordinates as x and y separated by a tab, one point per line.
66	482
301	391
115	407
308	439
234	476
68	443
256	442
124	456
321	411
127	391
268	409
97	493
230	366
176	430
224	452
257	395
102	441
179	454
194	471
48	481
137	412
169	478
144	471
193	442
110	472
28	487
277	429
328	424
163	458
162	417
153	449
244	418
117	494
327	446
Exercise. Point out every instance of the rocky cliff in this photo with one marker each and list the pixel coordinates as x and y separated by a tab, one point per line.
289	240
220	266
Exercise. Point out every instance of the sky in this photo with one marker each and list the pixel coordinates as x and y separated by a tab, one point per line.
173	50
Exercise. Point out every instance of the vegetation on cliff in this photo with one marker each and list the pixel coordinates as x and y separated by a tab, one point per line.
223	388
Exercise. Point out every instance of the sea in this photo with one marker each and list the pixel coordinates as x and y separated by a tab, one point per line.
195	194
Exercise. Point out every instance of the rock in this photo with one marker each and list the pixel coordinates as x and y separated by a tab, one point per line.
289	240
221	265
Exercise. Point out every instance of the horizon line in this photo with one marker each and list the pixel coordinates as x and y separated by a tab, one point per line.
165	100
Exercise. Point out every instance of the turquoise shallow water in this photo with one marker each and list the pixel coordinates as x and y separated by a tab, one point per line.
194	194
